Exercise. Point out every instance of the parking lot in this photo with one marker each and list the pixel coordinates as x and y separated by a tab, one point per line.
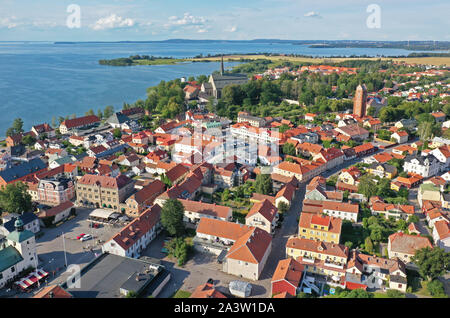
50	246
197	271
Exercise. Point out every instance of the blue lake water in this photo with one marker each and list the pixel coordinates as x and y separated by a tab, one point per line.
40	80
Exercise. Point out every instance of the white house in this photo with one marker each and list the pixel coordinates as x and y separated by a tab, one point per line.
443	155
441	234
425	166
400	137
137	235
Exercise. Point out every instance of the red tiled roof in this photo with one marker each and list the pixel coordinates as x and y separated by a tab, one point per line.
290	270
251	247
141	225
407	244
80	121
223	229
363	147
56	210
219	211
333	249
443	229
334	224
265	208
206	291
150	191
105	181
53	291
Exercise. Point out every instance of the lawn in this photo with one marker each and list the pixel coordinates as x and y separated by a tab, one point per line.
182	294
418	60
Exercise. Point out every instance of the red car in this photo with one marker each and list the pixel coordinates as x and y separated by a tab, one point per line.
80	236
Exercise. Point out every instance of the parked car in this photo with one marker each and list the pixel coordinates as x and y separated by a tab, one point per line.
80	236
86	237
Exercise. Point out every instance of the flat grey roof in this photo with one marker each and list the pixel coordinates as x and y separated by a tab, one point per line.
104	277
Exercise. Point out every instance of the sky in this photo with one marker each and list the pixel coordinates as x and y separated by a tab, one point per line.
153	20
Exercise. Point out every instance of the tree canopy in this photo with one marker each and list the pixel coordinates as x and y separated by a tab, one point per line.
172	217
432	262
14	198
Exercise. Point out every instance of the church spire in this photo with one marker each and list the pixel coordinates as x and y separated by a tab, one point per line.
222	68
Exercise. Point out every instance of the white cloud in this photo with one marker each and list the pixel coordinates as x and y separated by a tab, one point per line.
231	29
313	14
9	23
187	19
188	22
113	22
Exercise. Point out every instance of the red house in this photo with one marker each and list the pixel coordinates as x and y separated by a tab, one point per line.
287	277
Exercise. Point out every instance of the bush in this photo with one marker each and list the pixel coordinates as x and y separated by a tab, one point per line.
392	293
436	288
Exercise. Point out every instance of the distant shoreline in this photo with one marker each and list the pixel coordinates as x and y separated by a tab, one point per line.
414	58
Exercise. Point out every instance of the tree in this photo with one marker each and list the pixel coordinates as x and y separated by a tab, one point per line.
436	288
172	214
14	198
367	186
131	294
18	125
263	184
117	133
413	219
10	132
165	179
226	195
100	114
368	245
283	207
28	140
108	111
349	244
384	189
424	130
289	149
179	249
432	262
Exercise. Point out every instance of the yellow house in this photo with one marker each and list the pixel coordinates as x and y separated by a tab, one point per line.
318	257
383	170
320	227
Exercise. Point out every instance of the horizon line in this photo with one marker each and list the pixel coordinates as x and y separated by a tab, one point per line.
220	40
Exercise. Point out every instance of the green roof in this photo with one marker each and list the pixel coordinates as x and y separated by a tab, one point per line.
9	256
19	237
428	187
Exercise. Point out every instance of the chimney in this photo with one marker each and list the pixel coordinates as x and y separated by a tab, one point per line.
51	295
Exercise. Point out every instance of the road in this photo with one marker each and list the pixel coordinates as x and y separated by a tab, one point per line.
290	222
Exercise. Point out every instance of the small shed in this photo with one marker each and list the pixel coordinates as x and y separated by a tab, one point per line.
240	289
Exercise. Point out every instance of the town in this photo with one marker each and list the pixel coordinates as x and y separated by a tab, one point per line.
283	180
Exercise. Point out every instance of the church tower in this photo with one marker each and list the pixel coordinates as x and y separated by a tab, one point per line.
24	242
360	101
222	68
